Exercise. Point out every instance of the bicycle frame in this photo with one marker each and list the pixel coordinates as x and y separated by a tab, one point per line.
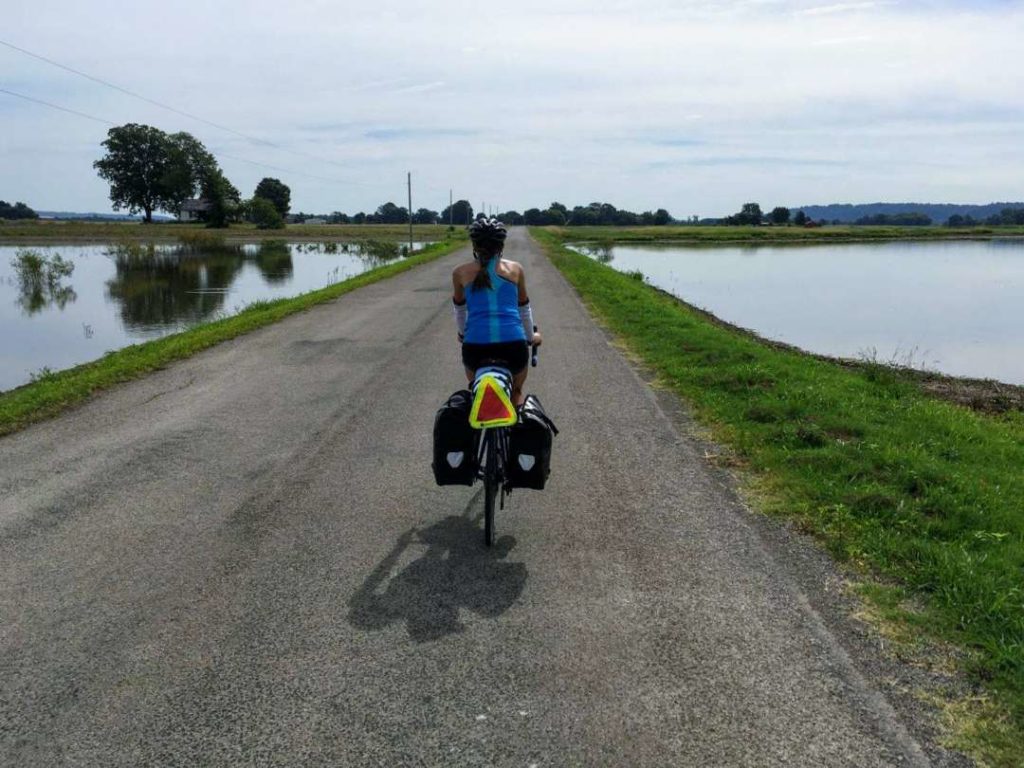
493	450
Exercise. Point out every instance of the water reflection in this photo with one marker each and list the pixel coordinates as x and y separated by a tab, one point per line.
156	286
39	277
274	259
957	305
129	292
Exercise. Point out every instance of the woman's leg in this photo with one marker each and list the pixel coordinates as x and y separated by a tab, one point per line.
518	380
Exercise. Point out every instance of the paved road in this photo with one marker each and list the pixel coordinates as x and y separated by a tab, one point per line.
243	560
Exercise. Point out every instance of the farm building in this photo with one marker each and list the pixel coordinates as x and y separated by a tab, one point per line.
194	210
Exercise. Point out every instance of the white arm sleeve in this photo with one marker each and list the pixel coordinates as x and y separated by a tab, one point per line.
461	311
526	317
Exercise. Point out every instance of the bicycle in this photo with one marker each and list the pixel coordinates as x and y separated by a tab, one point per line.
493	450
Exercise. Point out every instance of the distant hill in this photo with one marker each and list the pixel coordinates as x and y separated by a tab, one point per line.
938	212
73	216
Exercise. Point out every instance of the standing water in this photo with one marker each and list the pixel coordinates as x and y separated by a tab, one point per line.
124	294
956	306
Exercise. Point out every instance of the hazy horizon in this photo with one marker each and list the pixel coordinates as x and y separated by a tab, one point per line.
695	107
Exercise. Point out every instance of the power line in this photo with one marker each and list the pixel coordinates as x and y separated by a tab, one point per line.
181	112
56	106
221	154
133	94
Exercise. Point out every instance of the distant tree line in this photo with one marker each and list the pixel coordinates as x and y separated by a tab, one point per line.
460	213
751	215
1006	217
16	211
914	219
847	213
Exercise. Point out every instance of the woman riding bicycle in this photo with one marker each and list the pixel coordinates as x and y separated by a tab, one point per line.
492	308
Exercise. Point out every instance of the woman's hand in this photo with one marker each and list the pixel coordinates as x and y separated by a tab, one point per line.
537	339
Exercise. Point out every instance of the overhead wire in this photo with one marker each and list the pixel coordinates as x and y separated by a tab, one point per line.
68	110
188	115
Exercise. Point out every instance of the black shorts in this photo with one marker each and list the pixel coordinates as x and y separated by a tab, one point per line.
514	355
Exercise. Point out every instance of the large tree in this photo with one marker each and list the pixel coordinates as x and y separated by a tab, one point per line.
138	164
16	211
277	192
779	215
461	213
389	213
190	167
224	198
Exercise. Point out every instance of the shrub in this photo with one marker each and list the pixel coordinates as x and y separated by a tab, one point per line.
264	215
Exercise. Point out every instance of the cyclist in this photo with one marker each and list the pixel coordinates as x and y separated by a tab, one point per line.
492	309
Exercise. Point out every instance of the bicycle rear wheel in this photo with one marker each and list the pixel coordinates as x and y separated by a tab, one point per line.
492	483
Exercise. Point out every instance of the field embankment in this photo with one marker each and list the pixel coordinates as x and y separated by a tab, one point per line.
51	393
62	231
922	497
706	235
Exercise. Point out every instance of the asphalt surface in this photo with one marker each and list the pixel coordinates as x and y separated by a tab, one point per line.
243	560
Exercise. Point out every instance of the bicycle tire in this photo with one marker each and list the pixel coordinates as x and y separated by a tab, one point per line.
491	485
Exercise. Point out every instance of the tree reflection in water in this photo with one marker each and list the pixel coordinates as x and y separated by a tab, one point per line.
274	259
156	287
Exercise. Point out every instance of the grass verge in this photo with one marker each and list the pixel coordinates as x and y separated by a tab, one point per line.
50	393
923	495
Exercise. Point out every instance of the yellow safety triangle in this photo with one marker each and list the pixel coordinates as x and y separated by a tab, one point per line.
491	405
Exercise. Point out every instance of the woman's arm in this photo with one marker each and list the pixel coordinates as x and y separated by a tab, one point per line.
459	309
526	311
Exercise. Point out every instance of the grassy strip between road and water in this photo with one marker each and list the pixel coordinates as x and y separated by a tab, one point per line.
50	393
924	498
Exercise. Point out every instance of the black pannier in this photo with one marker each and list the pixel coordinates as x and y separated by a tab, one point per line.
455	442
529	459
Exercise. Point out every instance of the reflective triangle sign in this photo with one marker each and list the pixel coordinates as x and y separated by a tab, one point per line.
491	405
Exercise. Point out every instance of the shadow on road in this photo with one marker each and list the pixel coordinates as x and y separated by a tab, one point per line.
456	572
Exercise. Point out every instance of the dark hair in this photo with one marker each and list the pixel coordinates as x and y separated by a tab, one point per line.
484	253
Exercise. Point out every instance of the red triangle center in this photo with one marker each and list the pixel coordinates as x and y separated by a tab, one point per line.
491	406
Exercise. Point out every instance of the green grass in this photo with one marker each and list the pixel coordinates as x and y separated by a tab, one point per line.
913	491
50	393
32	231
726	235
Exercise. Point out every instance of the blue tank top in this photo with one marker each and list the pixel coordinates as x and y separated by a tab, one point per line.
493	313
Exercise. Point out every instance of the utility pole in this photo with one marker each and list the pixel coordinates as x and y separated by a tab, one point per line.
451	210
409	179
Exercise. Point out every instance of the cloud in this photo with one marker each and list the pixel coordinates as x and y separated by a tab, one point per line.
402	134
751	97
822	10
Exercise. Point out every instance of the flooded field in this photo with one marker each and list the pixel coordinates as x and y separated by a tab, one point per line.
55	316
955	307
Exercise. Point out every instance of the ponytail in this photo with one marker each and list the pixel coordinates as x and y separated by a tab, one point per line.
485	253
482	281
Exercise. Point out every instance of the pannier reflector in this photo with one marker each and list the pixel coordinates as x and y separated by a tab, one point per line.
491	405
526	461
455	459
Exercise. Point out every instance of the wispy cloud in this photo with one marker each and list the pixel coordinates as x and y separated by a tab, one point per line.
421	87
851	40
749	160
400	134
824	10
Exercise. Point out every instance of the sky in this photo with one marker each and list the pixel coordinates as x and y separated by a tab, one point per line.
696	107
